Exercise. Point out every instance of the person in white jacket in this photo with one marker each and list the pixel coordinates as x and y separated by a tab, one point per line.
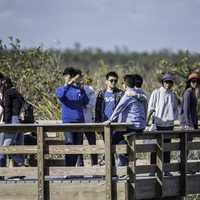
88	113
163	105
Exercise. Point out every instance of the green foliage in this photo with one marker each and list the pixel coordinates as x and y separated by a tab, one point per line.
36	72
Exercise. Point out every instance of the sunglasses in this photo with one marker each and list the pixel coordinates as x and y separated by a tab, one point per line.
113	80
194	81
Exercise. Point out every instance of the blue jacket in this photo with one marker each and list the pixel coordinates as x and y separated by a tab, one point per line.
73	100
130	110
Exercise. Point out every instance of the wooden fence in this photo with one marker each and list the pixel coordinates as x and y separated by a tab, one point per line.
139	185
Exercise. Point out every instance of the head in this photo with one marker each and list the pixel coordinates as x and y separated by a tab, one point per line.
138	80
193	80
69	72
111	80
79	77
129	81
167	81
6	84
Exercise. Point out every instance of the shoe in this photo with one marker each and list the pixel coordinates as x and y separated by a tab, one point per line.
1	178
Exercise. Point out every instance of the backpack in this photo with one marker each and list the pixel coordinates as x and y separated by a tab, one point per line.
26	112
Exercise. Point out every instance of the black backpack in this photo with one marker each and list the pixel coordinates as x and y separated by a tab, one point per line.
26	112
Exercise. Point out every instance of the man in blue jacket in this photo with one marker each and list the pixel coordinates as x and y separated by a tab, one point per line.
72	99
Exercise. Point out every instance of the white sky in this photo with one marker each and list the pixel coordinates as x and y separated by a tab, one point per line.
138	24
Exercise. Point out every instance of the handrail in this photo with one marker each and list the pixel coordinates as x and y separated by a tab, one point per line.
159	147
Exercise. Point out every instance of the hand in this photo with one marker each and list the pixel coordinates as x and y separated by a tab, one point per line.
74	79
130	93
108	122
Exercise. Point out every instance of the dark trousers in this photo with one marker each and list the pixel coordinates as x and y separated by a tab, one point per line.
166	140
76	139
91	137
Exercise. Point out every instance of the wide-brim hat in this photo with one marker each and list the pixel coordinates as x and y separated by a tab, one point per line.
193	75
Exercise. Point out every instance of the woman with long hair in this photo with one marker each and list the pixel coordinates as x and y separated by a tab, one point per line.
189	112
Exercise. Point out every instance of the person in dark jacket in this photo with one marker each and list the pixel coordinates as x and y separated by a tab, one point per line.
73	99
108	98
12	103
189	113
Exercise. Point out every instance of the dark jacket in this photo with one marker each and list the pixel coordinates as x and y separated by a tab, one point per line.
100	104
12	103
189	115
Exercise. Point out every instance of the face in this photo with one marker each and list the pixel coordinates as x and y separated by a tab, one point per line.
66	78
194	83
111	82
168	85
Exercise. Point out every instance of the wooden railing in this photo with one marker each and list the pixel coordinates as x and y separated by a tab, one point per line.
182	183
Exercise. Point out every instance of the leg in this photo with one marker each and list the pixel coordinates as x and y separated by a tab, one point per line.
91	137
78	140
69	140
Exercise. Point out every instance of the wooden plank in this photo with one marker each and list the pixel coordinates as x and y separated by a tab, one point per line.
18	171
64	190
160	164
84	171
183	164
131	167
192	166
26	149
40	159
108	162
84	149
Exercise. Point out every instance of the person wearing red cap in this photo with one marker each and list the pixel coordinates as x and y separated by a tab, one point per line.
189	113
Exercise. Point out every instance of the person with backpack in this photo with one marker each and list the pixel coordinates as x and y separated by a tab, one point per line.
189	112
163	107
73	99
12	104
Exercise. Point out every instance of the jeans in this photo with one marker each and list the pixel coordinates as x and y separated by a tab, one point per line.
118	138
71	138
12	139
91	137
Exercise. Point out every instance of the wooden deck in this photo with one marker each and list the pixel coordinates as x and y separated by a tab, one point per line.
46	180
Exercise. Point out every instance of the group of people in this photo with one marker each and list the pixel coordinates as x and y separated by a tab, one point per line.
80	104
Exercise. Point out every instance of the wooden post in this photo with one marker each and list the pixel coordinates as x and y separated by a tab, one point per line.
108	162
40	159
160	164
131	168
183	165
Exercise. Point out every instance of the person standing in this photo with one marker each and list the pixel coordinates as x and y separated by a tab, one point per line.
189	113
108	98
163	105
72	99
88	112
12	103
130	109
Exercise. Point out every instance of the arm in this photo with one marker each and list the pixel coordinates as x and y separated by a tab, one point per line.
139	96
92	99
151	105
186	106
122	105
7	108
98	107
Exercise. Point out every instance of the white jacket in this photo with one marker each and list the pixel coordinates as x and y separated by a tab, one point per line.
164	103
88	111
